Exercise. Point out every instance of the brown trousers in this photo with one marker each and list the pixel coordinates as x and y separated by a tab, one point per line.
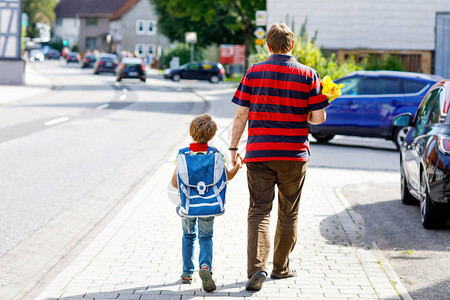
262	178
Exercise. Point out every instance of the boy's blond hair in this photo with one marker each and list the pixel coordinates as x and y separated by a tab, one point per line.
203	128
280	38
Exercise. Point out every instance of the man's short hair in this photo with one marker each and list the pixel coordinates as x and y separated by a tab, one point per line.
203	128
280	38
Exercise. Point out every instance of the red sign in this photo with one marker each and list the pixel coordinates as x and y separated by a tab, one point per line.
232	54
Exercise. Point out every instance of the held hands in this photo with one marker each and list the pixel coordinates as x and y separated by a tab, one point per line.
331	89
236	159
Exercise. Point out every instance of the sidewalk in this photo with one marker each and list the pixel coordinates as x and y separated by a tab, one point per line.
34	84
138	255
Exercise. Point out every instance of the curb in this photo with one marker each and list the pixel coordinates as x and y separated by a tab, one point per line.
386	266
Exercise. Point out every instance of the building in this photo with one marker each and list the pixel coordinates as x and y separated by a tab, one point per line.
67	23
134	28
120	25
417	31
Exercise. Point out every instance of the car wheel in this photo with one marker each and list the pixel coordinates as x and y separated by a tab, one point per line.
433	216
399	136
322	138
119	79
214	79
143	79
407	198
176	77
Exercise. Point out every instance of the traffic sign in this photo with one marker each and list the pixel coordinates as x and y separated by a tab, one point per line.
260	33
261	18
259	41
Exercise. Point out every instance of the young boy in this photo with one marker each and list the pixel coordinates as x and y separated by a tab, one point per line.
202	129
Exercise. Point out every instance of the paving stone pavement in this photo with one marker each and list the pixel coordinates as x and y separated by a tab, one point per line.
138	255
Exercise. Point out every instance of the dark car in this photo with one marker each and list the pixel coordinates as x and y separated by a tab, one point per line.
53	54
370	100
89	60
131	67
214	72
73	57
425	156
106	63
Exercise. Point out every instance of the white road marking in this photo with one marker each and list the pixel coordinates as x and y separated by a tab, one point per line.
123	97
56	121
124	91
102	106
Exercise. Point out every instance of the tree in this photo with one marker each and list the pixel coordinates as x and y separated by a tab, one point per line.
38	11
221	21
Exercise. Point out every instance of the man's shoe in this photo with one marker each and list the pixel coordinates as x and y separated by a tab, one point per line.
207	281
255	282
288	275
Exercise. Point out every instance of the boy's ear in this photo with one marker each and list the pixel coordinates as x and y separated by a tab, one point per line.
269	47
292	46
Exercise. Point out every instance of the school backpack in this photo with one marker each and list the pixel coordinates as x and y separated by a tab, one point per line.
202	181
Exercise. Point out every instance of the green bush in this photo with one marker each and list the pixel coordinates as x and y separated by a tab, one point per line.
183	51
384	62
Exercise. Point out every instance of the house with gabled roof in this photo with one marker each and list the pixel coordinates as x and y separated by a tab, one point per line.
111	27
134	28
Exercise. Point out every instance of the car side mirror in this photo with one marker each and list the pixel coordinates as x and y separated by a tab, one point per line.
403	120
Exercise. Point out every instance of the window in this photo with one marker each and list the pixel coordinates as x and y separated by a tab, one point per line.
388	86
91	21
351	86
426	106
59	22
151	27
140	29
140	48
91	43
412	86
437	115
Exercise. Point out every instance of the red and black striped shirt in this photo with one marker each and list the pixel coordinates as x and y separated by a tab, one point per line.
279	93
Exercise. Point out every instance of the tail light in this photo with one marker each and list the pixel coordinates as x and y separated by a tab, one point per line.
222	71
116	64
101	63
123	67
143	66
443	145
86	60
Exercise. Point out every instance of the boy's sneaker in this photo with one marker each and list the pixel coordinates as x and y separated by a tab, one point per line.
207	282
186	278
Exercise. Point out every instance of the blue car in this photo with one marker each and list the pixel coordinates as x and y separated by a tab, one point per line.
370	100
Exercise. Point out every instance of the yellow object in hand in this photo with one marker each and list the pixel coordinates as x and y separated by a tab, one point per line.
331	89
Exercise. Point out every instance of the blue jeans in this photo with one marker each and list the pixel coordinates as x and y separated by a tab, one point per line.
205	234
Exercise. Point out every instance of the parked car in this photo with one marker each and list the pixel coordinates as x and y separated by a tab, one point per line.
370	100
53	54
425	156
131	67
106	63
89	60
214	72
36	55
73	57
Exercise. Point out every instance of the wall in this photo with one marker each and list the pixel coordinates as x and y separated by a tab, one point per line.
129	38
368	24
98	31
68	30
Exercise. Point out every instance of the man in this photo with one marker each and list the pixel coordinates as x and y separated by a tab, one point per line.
278	97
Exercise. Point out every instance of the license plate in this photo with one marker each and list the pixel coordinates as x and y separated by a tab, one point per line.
108	64
132	73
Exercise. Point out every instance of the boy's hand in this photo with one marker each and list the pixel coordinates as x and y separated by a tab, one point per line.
239	160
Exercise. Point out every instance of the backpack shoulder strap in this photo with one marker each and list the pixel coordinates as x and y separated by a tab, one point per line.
185	151
212	150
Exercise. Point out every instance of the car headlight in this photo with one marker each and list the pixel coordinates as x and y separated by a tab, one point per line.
443	145
166	71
